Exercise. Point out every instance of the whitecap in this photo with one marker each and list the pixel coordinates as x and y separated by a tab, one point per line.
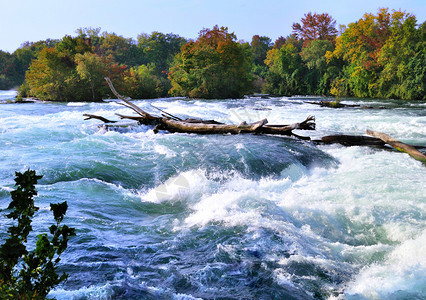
77	104
404	270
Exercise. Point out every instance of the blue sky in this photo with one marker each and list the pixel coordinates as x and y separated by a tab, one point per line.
31	20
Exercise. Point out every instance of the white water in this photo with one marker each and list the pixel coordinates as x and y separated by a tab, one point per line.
331	221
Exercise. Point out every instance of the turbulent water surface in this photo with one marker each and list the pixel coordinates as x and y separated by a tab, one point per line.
183	216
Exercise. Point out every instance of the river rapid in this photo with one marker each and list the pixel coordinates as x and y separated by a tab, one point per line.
185	216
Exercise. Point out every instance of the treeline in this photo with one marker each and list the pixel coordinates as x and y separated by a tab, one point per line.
378	56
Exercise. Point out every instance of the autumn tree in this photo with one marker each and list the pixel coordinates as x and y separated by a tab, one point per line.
47	76
53	75
378	51
279	42
213	66
315	27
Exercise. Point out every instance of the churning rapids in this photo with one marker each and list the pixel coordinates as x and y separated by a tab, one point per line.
184	216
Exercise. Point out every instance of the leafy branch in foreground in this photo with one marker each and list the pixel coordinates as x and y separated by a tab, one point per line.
31	274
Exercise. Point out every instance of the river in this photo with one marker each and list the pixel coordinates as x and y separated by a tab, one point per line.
184	216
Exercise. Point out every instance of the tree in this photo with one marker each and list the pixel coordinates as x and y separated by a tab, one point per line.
314	58
143	83
121	50
25	54
316	27
48	76
400	57
37	269
279	42
159	49
92	35
214	66
259	47
416	78
93	69
8	71
380	53
54	76
286	69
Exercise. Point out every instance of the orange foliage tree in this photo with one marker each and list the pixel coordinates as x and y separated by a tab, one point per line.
316	27
213	66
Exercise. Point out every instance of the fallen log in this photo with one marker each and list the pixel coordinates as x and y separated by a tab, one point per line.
332	104
191	120
88	117
202	128
351	140
174	123
400	146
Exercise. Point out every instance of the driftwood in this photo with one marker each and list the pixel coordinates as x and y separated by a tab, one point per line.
173	123
400	146
332	104
351	140
377	139
336	104
88	117
256	127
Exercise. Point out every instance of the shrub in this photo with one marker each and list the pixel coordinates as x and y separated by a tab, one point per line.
31	274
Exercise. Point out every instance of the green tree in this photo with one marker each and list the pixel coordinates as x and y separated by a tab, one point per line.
8	71
416	79
92	35
259	47
159	49
93	69
121	50
143	82
401	56
318	75
53	74
49	76
286	69
31	274
214	66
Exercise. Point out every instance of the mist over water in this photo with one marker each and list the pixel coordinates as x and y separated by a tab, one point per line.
185	216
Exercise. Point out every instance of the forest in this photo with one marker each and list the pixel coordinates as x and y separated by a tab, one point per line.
380	55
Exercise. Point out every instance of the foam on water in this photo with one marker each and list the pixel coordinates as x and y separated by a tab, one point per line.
7	95
77	104
183	216
401	275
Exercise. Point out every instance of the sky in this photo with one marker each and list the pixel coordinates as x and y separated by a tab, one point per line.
35	20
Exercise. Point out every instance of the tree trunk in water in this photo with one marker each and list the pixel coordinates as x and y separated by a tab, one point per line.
351	140
173	123
400	146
